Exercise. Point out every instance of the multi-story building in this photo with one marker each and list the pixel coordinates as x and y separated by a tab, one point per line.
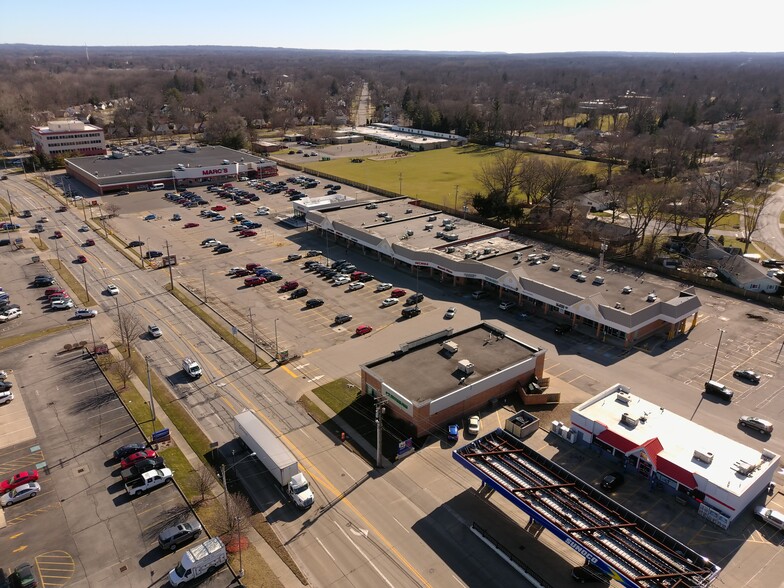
62	137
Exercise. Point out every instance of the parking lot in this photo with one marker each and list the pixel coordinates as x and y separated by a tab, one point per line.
82	527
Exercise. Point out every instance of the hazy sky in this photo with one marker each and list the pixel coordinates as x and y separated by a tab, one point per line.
511	26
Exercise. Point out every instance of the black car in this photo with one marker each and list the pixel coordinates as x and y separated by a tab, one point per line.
342	318
310	263
562	329
223	249
299	293
273	277
410	312
136	244
330	273
145	465
23	577
612	481
365	278
589	573
415	299
748	375
314	302
153	254
339	263
40	281
128	449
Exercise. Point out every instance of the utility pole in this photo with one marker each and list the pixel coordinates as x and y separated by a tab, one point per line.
204	285
149	387
715	357
168	262
380	410
57	252
276	339
400	183
225	487
252	335
139	239
84	279
457	187
10	202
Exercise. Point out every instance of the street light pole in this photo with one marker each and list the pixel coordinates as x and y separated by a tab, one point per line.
239	545
276	339
253	336
84	279
168	261
149	387
715	357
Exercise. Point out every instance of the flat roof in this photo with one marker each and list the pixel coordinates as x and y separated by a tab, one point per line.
210	155
427	372
397	136
679	437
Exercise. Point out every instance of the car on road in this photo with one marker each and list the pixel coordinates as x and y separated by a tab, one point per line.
255	281
10	314
473	425
190	225
81	259
293	257
89	243
389	302
20	493
128	449
85	313
355	286
363	329
769	516
759	424
452	433
747	375
506	305
17	480
149	217
288	286
154	331
314	302
342	318
84	229
128	461
136	244
612	481
57	235
299	293
112	290
172	537
385	286
450	313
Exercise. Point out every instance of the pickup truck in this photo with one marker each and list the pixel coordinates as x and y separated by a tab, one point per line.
148	481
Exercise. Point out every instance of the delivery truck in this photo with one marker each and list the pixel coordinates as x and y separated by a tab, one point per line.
198	560
275	456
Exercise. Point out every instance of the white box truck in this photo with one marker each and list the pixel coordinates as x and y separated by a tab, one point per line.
198	560
275	456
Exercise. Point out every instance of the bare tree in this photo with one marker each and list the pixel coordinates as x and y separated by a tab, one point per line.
129	327
643	203
113	209
499	175
238	514
558	182
530	179
712	194
751	204
203	482
123	370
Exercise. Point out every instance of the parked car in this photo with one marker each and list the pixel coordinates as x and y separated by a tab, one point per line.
43	280
314	302
136	244
17	480
589	573
19	494
299	293
293	257
506	305
410	312
612	481
363	330
313	253
153	254
389	302
10	314
248	233
129	449
190	225
61	304
172	537
415	298
450	313
562	329
473	425
85	313
748	375
218	208
128	461
149	217
355	286
222	249
140	467
210	242
398	293
273	277
759	424
769	516
341	279
288	286
23	577
255	281
452	433
342	318
385	286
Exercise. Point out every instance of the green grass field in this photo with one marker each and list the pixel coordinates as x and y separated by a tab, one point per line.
432	176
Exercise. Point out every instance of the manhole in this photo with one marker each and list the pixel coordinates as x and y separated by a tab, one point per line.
81	471
123	568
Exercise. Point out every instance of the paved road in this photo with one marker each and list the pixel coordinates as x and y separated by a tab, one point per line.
769	231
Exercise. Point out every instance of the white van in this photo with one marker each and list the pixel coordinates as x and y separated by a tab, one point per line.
199	560
157	186
191	367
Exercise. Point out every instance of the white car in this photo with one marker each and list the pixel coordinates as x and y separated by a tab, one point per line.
450	313
234	270
20	493
389	302
506	305
262	211
84	229
62	304
473	425
112	290
85	313
211	243
340	280
355	286
383	286
154	331
10	314
6	396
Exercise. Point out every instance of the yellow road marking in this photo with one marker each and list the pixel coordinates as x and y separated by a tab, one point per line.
229	404
289	372
311	351
16	535
20	548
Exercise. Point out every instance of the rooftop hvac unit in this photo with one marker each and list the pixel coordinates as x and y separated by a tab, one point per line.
555	427
745	468
465	366
703	455
450	346
569	434
628	419
623	398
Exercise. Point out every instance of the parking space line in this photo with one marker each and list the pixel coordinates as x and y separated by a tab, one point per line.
158	505
32	513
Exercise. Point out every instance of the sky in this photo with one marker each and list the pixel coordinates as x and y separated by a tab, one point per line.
509	26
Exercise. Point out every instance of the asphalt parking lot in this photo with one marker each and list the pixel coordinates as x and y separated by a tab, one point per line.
82	527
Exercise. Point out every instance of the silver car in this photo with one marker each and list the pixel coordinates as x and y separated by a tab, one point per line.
19	494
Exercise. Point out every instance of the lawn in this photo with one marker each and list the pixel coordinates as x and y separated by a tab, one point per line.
433	176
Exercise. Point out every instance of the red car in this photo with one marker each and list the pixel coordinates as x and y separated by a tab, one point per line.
248	233
89	242
81	259
255	281
138	456
218	208
363	329
58	235
397	293
51	291
252	266
190	225
17	480
287	286
242	272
